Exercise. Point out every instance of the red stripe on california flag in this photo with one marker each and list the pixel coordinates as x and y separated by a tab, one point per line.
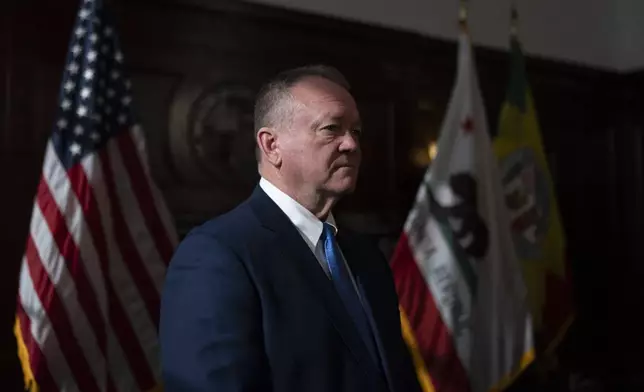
118	320
433	337
60	322
37	361
141	188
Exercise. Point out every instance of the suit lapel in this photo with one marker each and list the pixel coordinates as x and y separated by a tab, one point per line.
272	217
369	288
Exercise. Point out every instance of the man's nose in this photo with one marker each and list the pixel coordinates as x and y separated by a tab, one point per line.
350	142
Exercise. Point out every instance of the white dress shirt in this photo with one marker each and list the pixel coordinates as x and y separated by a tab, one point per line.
307	224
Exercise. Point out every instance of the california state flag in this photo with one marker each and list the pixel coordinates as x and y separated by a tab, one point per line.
462	296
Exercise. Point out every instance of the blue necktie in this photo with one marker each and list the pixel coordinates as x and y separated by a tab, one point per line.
345	288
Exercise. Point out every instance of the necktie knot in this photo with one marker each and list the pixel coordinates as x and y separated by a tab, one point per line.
328	232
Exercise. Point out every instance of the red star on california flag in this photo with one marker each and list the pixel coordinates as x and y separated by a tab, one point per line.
468	125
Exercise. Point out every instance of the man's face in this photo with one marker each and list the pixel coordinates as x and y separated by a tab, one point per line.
321	148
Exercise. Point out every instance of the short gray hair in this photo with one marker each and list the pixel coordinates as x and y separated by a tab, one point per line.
269	104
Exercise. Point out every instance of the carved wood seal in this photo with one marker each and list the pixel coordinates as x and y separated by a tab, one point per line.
211	134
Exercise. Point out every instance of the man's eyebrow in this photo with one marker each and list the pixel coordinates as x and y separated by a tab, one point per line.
333	119
324	118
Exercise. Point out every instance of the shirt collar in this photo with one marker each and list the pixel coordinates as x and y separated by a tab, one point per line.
307	223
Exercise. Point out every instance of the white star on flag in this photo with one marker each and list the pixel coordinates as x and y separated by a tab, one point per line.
93	37
126	100
69	86
78	130
118	56
91	56
86	92
80	32
84	13
89	74
122	119
62	123
95	136
75	148
72	68
66	104
76	50
82	111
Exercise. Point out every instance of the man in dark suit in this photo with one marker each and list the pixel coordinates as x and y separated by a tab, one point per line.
272	296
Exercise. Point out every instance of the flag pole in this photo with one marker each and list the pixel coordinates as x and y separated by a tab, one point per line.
514	20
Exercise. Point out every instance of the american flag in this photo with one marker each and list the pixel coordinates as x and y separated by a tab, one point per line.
100	235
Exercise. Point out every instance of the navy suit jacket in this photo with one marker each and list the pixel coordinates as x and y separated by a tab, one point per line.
246	307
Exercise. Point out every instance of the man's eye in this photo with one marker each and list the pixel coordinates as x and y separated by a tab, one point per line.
331	127
357	132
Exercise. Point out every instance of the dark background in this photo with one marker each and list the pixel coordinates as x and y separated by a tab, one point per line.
195	65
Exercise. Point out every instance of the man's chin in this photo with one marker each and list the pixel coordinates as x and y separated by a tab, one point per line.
344	187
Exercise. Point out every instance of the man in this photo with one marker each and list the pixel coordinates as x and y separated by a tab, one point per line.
265	297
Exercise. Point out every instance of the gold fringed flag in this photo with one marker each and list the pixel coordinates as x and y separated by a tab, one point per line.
537	231
463	301
100	235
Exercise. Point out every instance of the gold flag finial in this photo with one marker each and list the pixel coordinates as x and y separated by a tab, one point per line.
463	11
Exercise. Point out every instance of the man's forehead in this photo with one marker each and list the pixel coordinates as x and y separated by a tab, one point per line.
319	110
332	97
317	89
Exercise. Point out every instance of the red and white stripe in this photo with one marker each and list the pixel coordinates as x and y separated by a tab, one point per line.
433	337
90	283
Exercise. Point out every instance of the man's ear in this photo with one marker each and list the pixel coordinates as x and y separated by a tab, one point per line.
267	143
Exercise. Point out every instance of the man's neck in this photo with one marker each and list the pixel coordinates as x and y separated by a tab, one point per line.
317	204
